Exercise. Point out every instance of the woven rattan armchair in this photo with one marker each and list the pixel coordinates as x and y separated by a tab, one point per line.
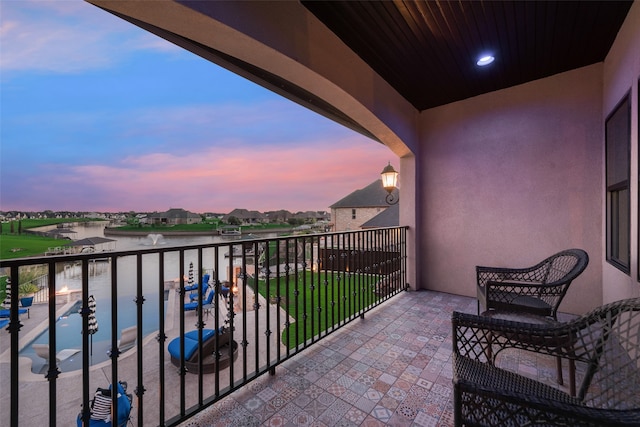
604	343
536	290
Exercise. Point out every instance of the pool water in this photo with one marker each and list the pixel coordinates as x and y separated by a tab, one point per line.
69	331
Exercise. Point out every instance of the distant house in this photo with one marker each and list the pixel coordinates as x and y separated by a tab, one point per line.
280	216
246	216
362	208
313	216
174	217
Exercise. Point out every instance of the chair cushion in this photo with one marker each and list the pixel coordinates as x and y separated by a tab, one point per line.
7	313
101	409
190	343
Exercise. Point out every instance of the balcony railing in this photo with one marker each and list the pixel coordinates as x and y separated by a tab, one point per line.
274	297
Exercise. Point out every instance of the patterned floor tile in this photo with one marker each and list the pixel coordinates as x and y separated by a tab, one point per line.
393	369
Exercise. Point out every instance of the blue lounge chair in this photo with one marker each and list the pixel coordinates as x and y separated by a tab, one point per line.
3	323
204	283
101	408
192	356
7	313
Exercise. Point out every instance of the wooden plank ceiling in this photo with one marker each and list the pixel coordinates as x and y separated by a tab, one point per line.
427	50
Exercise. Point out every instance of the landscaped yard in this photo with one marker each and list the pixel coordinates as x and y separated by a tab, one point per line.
14	243
318	300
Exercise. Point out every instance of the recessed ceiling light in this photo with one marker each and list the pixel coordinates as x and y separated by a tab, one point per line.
485	60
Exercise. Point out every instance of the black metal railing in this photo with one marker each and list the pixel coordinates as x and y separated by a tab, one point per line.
267	300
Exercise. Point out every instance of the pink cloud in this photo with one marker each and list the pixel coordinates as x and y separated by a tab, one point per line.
221	179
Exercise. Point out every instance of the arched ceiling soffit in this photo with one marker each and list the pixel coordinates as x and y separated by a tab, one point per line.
284	48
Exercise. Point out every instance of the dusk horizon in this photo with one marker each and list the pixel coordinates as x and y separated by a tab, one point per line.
99	115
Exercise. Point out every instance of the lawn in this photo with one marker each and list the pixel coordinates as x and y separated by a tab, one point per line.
310	303
24	245
19	245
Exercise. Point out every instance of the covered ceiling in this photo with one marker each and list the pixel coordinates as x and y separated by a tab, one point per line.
427	50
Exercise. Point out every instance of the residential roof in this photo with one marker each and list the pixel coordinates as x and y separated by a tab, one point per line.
174	213
245	214
373	195
90	241
389	217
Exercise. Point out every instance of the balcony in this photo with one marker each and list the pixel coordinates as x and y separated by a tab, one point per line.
288	299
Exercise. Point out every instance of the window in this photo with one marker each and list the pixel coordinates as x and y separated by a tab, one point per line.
618	133
353	214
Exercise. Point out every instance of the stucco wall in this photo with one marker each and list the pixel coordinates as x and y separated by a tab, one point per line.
621	73
511	177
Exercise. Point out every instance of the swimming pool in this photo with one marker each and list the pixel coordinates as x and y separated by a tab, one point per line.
69	331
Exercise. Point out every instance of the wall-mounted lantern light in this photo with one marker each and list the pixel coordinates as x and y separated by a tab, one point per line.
390	183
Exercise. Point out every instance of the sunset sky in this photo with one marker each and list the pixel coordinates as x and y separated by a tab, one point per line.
99	115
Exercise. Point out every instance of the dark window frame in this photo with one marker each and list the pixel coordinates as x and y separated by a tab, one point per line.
618	195
638	139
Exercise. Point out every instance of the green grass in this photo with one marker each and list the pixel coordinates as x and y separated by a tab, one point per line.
14	245
316	303
24	245
3	287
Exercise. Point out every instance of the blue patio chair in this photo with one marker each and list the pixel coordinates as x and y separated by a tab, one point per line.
207	302
204	283
224	291
3	323
101	411
203	287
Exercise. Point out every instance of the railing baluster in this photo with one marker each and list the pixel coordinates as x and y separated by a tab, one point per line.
14	330
161	338
139	391
231	325
182	370
114	335
53	371
86	413
200	324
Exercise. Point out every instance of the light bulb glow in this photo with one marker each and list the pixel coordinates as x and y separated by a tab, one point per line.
485	60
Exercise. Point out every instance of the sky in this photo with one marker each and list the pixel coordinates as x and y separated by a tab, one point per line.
99	115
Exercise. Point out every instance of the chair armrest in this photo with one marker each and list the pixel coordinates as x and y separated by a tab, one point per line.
491	393
498	274
472	336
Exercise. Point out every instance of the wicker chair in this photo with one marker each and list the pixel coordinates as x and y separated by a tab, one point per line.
604	343
535	290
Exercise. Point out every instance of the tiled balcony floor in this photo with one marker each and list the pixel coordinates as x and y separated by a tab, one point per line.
392	368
